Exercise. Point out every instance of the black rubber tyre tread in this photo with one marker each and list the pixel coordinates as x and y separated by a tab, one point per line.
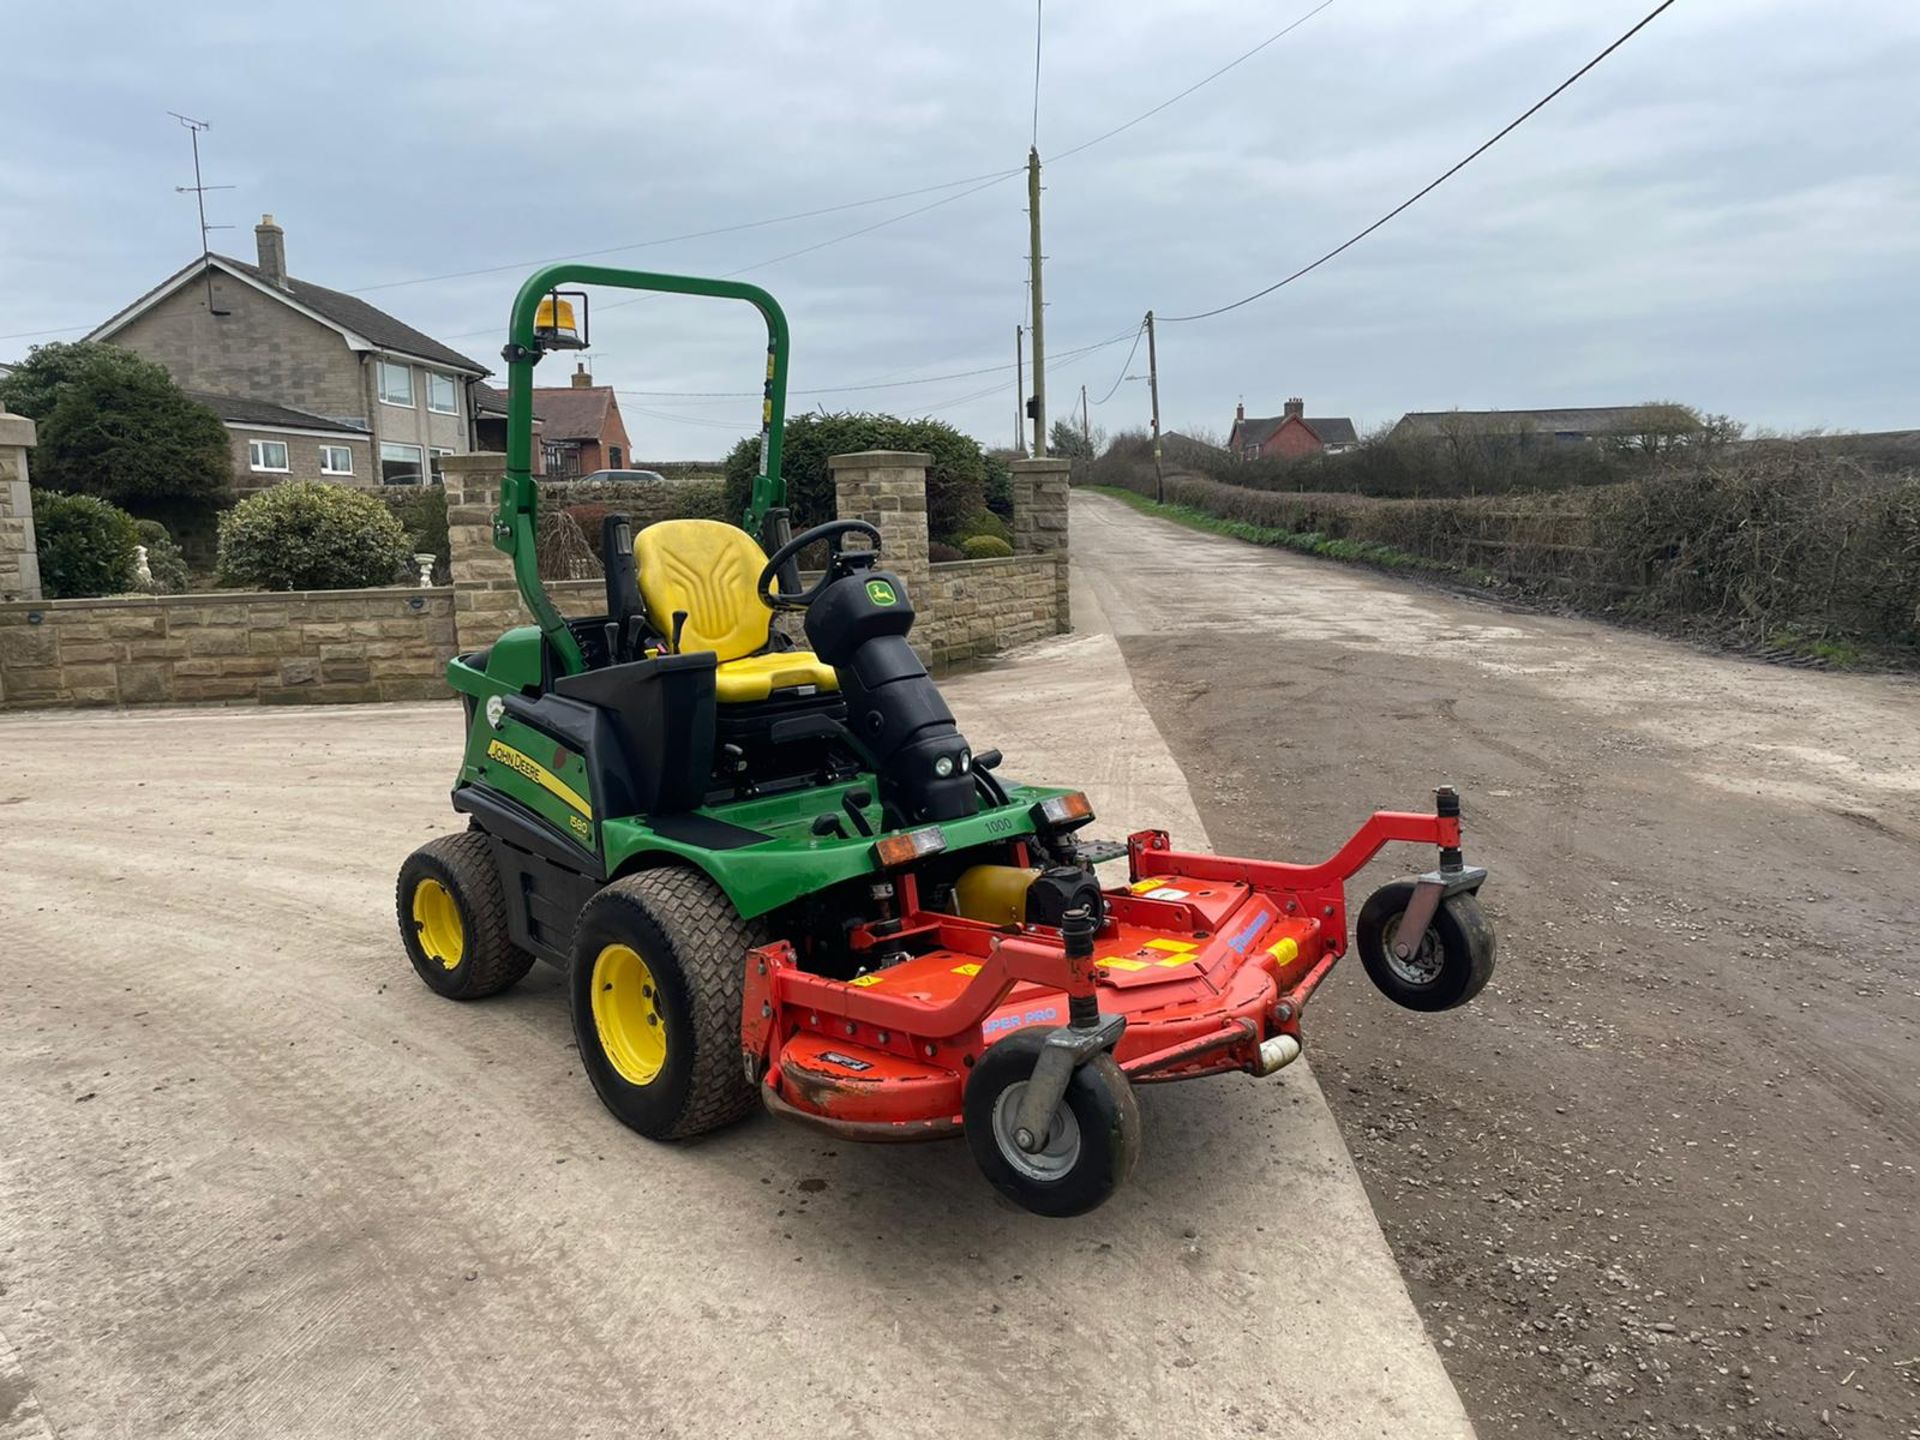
696	945
1103	1103
1466	947
464	864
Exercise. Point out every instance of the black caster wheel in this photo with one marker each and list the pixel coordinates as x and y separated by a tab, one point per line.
1449	966
1090	1146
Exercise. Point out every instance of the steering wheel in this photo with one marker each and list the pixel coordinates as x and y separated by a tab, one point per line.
832	531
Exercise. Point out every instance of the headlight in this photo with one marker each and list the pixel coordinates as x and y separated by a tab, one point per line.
966	762
943	767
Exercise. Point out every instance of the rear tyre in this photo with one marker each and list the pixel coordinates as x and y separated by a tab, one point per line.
1451	964
453	918
659	964
1090	1146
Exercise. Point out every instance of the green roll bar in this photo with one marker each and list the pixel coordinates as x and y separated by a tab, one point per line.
513	524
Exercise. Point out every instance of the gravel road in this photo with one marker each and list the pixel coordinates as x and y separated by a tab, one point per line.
1660	1179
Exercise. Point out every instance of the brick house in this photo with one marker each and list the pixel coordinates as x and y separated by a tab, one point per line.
580	427
1290	435
311	383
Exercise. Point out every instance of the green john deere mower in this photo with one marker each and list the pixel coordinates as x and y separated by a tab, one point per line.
780	876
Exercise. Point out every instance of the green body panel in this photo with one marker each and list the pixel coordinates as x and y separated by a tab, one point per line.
513	525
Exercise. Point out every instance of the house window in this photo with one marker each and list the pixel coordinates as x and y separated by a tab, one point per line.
440	394
336	460
268	455
396	385
434	464
400	464
613	457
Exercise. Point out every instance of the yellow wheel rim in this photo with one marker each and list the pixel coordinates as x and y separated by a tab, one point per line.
627	1015
437	921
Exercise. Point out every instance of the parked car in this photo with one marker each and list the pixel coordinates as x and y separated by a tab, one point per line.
627	475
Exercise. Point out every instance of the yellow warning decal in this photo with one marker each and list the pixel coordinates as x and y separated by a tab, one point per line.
1141	887
1121	962
1286	952
967	969
1174	962
502	753
1178	947
866	980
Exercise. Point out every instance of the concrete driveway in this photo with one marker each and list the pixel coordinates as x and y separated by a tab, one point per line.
256	1180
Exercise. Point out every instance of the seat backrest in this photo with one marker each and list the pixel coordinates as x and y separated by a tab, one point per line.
710	570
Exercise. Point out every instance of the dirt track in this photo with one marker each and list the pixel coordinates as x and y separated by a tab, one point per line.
1661	1179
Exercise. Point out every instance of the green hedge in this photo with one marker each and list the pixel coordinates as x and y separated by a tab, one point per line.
306	535
85	545
985	547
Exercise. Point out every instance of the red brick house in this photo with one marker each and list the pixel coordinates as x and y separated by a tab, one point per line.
581	429
1290	435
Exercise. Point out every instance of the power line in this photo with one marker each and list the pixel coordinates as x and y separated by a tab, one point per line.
1198	84
1125	365
1435	184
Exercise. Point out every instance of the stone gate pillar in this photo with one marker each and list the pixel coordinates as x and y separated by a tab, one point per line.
889	489
1040	523
19	555
485	599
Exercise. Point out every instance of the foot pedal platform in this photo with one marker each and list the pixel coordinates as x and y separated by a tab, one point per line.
1098	852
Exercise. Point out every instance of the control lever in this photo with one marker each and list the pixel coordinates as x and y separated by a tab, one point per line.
854	802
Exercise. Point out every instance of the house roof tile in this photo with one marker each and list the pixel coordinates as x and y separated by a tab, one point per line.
355	314
572	412
240	410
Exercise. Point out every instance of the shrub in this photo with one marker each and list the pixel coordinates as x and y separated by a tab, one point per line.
985	547
85	545
956	480
310	536
1000	482
165	562
939	552
422	513
980	522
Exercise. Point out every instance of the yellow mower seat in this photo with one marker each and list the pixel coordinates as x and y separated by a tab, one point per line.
711	571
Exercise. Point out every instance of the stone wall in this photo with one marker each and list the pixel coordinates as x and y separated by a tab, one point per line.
979	607
288	647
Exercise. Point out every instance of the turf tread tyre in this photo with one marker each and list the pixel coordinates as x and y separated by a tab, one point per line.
1466	944
696	945
464	864
1106	1113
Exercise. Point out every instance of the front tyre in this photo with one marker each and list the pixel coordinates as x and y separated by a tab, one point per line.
453	918
659	964
1449	966
1090	1146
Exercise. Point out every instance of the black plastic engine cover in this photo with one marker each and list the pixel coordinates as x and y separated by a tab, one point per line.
859	625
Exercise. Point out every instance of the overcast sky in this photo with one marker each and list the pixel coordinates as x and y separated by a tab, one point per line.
1726	212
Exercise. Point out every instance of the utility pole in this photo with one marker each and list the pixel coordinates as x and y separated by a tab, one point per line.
1086	426
1039	307
1019	392
1153	387
199	191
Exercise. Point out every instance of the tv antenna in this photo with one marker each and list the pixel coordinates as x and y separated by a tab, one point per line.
199	190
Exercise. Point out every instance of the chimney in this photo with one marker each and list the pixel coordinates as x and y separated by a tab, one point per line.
1240	413
582	378
270	242
1296	408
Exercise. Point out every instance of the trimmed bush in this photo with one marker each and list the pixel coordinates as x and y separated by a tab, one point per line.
305	535
980	522
985	547
85	545
165	563
956	480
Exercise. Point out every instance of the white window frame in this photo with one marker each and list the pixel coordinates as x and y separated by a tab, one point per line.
327	454
419	462
453	391
436	452
380	381
256	457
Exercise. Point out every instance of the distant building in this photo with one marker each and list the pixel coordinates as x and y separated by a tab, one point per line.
311	383
1290	435
1571	427
582	428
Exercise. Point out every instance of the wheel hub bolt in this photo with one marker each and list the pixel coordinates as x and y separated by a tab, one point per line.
1023	1137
